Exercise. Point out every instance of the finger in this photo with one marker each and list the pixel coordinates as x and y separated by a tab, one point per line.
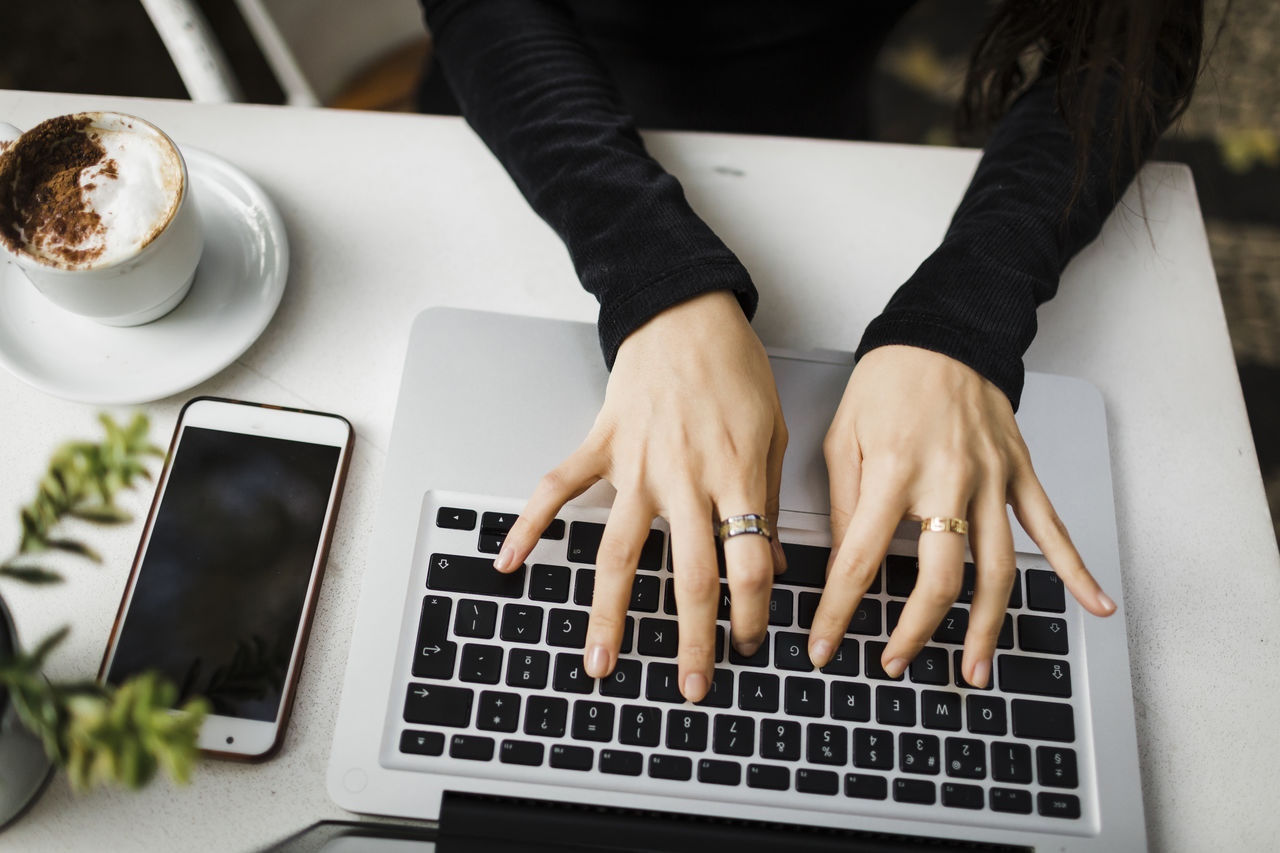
562	484
777	450
1037	516
941	560
844	474
749	567
620	545
856	563
697	580
992	543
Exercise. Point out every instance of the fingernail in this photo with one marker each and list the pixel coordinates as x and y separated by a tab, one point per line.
820	653
503	559
597	662
695	686
896	667
747	648
1106	603
981	672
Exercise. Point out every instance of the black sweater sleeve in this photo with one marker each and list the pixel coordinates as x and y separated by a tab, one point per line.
532	90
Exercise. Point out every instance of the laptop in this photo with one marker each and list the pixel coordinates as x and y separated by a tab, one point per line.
465	701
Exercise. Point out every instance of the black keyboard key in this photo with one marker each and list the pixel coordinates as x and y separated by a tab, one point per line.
1041	676
806	565
669	597
871	662
434	660
918	791
473	575
584	542
639	726
780	739
421	743
866	786
781	605
827	744
490	541
986	714
645	593
768	776
804	697
621	762
657	638
958	658
866	618
1046	634
953	627
676	767
1056	767
845	660
872	749
452	518
961	796
733	735
570	676
1045	592
546	716
930	666
892	613
663	683
471	747
433	705
567	757
806	607
1053	804
790	651
895	706
522	752
760	658
724	603
584	586
1011	762
720	694
475	618
651	552
628	632
900	574
554	531
687	730
521	623
1015	800
549	583
1043	720
567	628
966	758
624	681
1015	596
592	721
498	712
527	668
968	584
758	691
817	782
940	710
481	664
433	654
919	753
719	772
499	522
850	700
1005	639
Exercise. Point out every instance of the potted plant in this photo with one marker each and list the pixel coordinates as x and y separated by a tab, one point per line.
98	733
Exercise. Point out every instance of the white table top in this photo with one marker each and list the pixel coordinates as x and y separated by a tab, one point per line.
389	214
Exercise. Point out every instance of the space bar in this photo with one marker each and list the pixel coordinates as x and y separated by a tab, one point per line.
475	575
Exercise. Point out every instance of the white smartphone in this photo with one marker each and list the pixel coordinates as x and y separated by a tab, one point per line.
228	569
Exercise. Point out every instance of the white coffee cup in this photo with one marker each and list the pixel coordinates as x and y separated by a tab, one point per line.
140	283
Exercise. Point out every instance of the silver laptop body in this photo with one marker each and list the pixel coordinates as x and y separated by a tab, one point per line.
489	403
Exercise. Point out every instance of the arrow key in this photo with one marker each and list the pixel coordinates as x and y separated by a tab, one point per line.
452	518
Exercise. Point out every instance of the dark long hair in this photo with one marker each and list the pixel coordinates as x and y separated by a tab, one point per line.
1130	63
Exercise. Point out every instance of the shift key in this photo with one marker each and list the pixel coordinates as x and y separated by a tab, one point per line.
475	575
1041	676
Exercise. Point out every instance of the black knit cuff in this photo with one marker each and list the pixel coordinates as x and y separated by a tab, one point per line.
1003	369
620	317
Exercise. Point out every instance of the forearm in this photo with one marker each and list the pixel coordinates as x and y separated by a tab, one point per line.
543	104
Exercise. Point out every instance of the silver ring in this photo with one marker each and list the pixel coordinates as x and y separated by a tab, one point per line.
737	525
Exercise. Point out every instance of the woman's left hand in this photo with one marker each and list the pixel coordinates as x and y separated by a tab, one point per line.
918	435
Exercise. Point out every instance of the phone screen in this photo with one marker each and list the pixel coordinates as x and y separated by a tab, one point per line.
223	581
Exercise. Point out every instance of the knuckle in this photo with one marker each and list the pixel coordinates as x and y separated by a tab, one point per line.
616	554
751	580
938	592
698	650
697	585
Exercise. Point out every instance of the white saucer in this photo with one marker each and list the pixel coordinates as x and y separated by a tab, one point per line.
238	285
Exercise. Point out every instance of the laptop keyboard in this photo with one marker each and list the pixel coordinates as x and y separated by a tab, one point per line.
494	677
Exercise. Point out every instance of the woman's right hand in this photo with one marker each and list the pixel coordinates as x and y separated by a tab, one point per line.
691	430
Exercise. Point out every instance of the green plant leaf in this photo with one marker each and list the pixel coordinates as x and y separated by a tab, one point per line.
30	574
73	547
101	514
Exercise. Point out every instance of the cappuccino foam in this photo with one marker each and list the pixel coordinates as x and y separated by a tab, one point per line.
89	192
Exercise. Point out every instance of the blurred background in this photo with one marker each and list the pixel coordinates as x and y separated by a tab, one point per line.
369	55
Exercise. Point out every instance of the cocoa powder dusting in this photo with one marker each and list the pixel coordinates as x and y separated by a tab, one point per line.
41	200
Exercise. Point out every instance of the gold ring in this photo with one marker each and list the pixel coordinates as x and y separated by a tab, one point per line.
944	524
737	525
